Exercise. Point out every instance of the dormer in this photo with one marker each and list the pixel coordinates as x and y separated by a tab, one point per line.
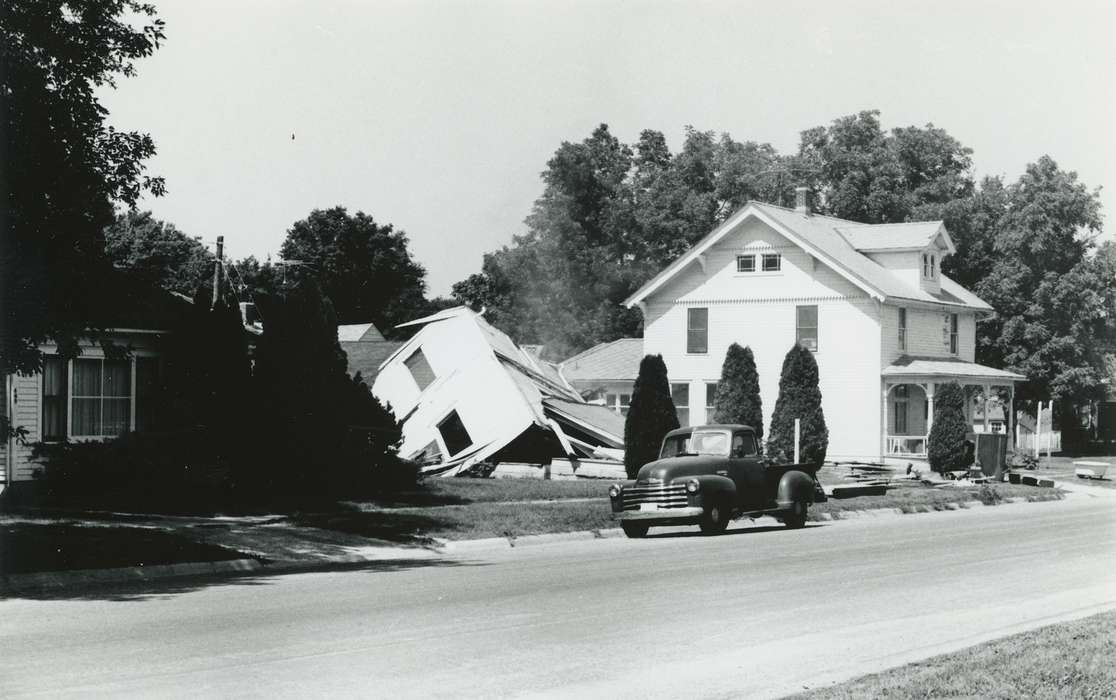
913	252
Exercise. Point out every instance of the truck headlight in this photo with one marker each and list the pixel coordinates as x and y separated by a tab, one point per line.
693	485
614	491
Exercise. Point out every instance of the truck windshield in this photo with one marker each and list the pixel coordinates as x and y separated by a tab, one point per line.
702	442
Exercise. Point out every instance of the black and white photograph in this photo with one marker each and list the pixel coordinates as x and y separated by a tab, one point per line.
557	349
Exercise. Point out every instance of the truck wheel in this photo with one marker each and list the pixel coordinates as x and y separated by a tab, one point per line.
796	516
715	518
635	530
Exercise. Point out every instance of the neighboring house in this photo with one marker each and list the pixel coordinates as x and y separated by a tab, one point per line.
886	326
605	373
365	348
996	418
465	393
93	397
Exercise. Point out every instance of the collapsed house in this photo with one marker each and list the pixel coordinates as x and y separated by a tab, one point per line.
467	395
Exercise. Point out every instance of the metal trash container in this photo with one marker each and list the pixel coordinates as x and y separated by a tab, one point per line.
990	452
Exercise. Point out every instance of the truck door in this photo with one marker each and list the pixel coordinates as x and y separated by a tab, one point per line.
746	470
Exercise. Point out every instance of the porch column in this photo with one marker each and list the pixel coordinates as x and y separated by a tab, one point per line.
929	412
987	388
886	429
1010	426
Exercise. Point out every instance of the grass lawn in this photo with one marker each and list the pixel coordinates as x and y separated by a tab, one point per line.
474	521
31	547
916	498
451	491
1069	660
1062	468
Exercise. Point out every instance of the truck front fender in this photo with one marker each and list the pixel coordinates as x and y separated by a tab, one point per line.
794	486
713	486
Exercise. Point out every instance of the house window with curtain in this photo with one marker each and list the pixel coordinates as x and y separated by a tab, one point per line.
710	401
54	399
680	394
902	329
806	327
102	398
697	331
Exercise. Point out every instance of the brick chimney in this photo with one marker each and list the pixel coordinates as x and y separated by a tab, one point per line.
802	200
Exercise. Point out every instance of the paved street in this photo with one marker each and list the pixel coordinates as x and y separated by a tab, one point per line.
758	612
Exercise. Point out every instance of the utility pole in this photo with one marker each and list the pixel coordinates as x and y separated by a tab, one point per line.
217	268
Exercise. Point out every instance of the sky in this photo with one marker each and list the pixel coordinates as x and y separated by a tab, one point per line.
438	117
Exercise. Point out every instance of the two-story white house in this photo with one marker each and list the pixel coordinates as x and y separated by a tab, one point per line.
870	301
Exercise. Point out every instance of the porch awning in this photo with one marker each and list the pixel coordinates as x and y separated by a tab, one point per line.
948	368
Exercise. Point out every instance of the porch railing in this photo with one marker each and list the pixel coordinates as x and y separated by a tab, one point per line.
907	445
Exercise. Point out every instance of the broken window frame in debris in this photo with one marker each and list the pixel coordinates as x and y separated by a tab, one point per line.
453	431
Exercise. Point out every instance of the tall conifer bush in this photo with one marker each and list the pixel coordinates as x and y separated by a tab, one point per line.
946	450
799	397
651	415
738	393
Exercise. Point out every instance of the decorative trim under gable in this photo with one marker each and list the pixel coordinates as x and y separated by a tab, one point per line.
768	300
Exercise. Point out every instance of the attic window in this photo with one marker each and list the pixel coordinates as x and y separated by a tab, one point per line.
929	266
772	262
420	369
745	263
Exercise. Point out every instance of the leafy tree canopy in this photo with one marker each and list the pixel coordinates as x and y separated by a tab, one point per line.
158	252
64	166
364	268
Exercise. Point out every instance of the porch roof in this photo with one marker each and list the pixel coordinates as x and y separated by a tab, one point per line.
946	367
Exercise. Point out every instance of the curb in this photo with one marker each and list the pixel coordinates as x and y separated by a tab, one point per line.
58	580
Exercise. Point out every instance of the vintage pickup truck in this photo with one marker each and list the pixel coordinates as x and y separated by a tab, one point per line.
709	474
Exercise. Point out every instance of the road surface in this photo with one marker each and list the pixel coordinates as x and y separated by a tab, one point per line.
759	612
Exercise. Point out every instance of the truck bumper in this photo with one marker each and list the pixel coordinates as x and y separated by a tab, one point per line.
665	514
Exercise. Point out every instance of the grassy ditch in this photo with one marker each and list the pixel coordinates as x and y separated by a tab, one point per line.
1068	660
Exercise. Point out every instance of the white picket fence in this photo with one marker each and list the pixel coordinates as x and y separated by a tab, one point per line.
1025	441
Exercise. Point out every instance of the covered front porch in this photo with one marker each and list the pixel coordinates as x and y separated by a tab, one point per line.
908	388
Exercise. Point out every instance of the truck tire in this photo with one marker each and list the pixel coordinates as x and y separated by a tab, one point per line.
715	518
635	530
796	516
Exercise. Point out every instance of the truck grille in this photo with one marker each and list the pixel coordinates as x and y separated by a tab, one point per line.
665	496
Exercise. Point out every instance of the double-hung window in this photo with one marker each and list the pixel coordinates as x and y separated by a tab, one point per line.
697	331
772	262
806	327
953	334
55	399
745	263
102	398
902	329
710	401
680	394
618	402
